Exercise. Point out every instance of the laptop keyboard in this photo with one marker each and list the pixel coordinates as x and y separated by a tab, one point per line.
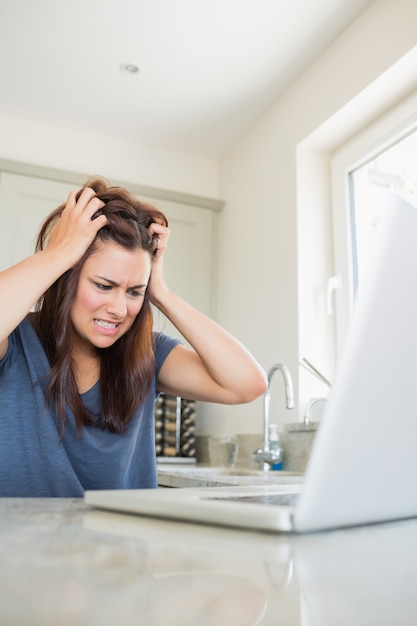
274	499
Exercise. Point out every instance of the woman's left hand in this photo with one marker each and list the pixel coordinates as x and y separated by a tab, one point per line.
157	281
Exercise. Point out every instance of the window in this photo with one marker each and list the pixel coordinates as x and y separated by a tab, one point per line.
378	160
391	170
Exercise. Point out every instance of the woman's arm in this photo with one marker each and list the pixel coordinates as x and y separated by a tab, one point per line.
217	368
24	283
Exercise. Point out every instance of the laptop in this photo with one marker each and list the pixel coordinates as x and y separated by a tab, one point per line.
363	464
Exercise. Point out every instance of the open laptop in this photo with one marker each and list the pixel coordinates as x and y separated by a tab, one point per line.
363	465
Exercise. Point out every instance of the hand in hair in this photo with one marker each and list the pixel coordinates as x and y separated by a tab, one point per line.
74	231
161	234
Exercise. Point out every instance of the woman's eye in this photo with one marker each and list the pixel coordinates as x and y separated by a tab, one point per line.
102	287
134	293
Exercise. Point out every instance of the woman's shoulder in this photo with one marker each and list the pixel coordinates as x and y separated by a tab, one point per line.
15	344
24	340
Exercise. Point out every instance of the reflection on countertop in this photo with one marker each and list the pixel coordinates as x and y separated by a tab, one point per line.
64	563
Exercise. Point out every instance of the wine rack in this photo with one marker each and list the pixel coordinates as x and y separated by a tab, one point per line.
175	427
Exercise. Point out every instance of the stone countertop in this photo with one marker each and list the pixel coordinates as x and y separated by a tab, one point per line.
65	564
202	476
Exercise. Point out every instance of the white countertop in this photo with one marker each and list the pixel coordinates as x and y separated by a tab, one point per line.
64	564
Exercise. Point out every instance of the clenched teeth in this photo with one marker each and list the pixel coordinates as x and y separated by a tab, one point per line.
104	324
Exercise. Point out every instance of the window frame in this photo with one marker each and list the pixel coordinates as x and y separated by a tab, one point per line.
379	135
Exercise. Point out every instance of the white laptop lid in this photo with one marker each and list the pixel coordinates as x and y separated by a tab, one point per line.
364	460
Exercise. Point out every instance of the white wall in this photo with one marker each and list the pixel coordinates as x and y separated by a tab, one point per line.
27	141
271	290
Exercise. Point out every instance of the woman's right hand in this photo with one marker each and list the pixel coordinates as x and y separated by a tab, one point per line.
76	229
23	284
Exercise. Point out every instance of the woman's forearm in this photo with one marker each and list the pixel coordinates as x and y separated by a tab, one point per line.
23	284
227	362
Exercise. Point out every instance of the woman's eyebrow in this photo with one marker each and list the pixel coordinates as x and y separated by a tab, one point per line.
116	284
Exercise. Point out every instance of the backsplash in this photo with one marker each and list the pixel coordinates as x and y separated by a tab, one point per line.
297	440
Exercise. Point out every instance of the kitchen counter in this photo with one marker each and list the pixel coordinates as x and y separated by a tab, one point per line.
201	476
65	564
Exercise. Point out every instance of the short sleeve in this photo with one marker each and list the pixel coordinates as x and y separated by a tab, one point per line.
163	344
7	360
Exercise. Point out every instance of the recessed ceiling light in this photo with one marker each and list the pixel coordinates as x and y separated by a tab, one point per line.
129	68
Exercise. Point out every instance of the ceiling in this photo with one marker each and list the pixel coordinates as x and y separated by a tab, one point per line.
207	68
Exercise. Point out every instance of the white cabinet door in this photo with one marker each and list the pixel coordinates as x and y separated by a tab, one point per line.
26	200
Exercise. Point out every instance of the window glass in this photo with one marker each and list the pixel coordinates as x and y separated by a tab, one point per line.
392	170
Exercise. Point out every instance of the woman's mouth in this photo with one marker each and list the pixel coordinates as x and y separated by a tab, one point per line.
106	325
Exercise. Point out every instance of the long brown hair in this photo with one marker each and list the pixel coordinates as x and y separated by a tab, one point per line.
126	367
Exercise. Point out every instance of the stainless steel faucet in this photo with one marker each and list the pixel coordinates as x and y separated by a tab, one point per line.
265	455
307	413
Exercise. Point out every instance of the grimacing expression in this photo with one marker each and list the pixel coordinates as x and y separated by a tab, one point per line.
110	293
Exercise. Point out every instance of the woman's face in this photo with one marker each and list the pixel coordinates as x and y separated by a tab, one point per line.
110	294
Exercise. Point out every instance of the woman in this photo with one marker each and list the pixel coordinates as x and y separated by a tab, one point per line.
79	375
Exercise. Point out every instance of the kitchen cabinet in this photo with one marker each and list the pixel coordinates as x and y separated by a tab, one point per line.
24	202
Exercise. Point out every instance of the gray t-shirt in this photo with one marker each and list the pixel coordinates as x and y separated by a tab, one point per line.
34	462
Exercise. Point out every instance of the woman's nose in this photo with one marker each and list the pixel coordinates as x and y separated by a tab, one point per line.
117	304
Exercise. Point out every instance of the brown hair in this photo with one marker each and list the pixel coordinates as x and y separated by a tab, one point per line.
126	367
